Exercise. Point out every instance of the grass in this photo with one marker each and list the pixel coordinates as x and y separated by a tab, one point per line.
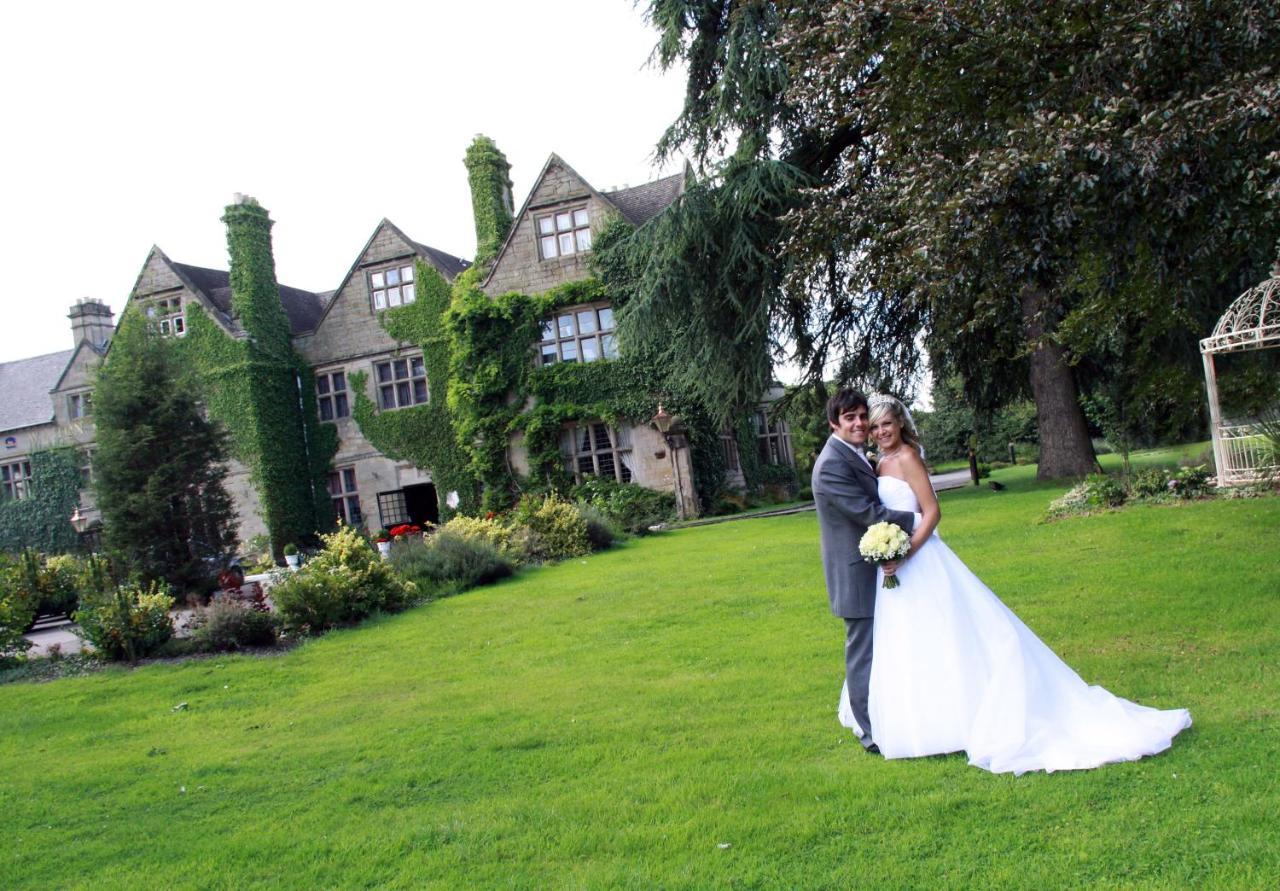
611	722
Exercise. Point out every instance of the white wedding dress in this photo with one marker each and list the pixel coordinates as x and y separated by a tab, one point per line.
955	670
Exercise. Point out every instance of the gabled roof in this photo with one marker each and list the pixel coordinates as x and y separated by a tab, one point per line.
636	205
75	354
446	264
25	386
640	204
303	308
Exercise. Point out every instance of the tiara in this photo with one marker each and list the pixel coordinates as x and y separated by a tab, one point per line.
881	399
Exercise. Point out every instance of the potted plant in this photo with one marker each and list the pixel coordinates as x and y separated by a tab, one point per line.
382	538
291	555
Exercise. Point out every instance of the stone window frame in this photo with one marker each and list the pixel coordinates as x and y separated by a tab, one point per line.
167	315
569	225
393	508
604	449
80	405
729	451
344	495
86	466
329	396
382	290
557	340
404	383
773	439
15	478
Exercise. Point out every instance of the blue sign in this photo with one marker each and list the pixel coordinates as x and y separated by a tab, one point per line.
11	442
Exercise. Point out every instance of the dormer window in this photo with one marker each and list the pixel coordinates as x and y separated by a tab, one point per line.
578	334
166	315
79	405
564	232
392	287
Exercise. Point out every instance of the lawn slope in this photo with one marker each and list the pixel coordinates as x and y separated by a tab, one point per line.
663	715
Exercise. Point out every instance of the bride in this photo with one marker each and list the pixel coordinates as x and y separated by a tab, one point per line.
954	669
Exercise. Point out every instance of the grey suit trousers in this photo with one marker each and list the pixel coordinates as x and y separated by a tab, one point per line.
857	667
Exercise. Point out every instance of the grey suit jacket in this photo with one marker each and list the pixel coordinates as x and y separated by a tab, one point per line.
848	502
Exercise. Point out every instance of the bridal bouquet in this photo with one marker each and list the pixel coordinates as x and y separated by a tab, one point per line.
882	543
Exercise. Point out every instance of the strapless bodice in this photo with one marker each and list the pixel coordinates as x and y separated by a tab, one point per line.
896	494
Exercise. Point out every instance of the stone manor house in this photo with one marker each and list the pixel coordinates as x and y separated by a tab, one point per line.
48	400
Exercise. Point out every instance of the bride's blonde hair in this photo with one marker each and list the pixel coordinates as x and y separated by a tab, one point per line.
893	407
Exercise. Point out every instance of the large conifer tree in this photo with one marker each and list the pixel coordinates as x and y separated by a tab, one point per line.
160	465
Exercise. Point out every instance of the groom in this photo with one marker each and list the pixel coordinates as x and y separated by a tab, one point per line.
847	498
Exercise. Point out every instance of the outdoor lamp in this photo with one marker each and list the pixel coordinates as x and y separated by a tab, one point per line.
79	521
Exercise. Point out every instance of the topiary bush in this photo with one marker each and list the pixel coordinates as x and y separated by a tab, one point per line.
450	563
342	584
227	624
126	622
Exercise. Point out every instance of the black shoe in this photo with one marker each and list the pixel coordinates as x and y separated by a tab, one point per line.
873	749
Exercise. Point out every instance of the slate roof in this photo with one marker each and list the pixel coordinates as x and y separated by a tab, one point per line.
302	307
642	203
450	265
25	386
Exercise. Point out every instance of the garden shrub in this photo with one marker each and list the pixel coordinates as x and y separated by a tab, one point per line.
228	624
449	563
345	582
485	529
556	529
17	609
1150	482
601	531
1190	482
129	621
632	508
60	584
1097	492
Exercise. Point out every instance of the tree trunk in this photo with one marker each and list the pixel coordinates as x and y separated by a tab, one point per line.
1065	448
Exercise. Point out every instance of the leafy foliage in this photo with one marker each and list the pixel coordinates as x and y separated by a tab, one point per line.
41	520
556	531
423	435
159	466
226	625
489	175
344	583
633	508
1054	191
126	622
259	388
448	563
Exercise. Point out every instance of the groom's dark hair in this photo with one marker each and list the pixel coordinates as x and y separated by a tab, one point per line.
843	401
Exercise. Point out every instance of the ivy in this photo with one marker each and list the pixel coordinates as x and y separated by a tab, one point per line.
505	395
422	435
259	388
489	175
42	520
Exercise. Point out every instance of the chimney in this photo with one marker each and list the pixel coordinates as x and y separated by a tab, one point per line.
489	175
91	320
255	297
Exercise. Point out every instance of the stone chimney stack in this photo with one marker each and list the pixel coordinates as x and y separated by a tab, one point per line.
91	320
489	174
255	297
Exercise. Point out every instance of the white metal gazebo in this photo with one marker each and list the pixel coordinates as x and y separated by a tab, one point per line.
1252	322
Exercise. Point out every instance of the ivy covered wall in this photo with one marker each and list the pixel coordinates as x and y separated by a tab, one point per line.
424	434
260	389
42	520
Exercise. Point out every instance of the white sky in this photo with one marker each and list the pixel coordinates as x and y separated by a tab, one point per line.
134	123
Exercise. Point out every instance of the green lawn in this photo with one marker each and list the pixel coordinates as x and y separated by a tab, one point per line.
612	722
